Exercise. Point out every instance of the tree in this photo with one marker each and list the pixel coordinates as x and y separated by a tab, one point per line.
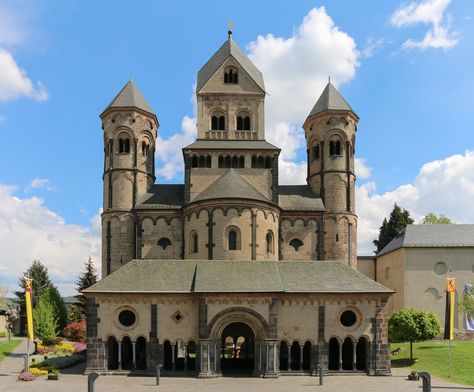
3	295
52	295
39	273
433	219
45	323
85	280
413	325
466	304
12	316
399	219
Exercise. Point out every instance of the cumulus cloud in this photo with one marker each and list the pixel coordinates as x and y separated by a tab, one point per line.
29	230
430	12
362	170
443	186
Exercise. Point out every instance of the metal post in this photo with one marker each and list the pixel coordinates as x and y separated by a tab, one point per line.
426	377
25	367
158	367
27	358
320	368
449	358
91	380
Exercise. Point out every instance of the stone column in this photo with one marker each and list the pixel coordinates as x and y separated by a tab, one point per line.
270	363
322	344
208	363
134	358
380	353
185	358
96	353
289	358
119	343
173	352
301	357
340	356
354	356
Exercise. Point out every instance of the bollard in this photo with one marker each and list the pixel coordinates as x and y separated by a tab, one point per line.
26	367
158	367
426	377
320	368
91	380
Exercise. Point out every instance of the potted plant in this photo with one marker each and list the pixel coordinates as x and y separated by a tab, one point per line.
414	376
53	374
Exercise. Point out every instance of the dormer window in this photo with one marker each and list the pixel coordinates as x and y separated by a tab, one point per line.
231	76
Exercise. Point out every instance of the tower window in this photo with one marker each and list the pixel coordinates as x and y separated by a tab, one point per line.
124	145
296	244
231	76
316	152
218	123
164	242
194	243
194	161
334	147
233	239
269	240
243	123
145	149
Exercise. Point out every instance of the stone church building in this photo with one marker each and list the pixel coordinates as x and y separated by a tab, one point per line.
230	271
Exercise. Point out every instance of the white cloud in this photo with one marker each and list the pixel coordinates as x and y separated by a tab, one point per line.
13	23
433	13
29	230
372	45
14	83
362	171
444	187
43	183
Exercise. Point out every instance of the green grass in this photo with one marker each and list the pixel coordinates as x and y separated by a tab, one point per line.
433	358
7	346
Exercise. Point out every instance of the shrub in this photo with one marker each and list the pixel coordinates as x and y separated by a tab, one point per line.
38	372
79	347
45	321
52	342
26	376
65	347
3	334
76	332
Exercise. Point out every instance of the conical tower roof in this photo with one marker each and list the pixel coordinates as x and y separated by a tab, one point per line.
130	97
228	48
330	99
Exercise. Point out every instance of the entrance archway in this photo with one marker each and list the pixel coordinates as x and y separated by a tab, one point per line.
347	354
333	354
238	348
361	354
112	353
140	353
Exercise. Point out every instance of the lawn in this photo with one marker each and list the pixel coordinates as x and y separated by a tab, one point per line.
7	346
433	358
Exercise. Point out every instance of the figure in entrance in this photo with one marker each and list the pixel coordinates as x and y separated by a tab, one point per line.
238	349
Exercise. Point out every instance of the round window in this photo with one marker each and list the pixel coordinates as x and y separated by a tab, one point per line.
441	268
348	318
127	318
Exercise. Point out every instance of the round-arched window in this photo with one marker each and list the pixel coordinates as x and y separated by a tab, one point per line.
348	318
127	318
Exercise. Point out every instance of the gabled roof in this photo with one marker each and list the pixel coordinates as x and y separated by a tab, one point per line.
130	97
330	99
432	236
231	185
299	198
162	196
228	48
205	276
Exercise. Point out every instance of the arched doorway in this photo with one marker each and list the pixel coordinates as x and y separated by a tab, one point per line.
295	356
140	353
333	354
347	354
127	354
306	356
167	356
238	349
112	353
283	355
361	354
191	353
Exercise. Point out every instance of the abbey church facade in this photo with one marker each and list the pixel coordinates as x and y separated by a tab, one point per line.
230	271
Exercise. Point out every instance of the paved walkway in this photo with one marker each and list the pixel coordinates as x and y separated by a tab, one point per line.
13	364
355	383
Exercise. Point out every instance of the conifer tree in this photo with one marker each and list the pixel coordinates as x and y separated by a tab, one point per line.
85	280
45	323
399	219
39	274
52	295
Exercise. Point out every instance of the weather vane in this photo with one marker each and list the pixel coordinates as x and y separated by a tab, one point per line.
230	25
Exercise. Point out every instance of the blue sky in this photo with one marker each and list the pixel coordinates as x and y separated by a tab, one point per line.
406	69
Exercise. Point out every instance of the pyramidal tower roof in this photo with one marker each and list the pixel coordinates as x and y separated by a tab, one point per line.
228	48
330	99
130	97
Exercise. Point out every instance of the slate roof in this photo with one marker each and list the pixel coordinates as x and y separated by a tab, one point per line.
205	144
130	97
228	48
330	99
299	198
432	236
208	276
162	196
231	185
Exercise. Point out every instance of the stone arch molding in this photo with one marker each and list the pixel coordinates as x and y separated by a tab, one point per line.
247	316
